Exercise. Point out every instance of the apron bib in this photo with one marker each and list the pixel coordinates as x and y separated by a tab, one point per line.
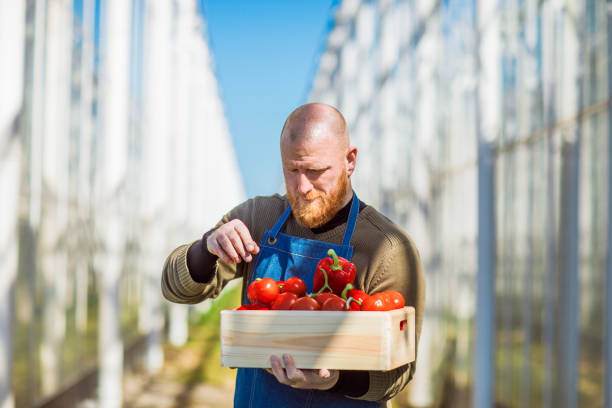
282	256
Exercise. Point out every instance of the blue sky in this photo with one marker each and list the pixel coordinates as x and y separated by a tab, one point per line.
265	54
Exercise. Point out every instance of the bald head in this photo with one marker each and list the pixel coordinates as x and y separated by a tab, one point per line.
313	122
317	163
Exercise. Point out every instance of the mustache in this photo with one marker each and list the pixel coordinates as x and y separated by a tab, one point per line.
311	195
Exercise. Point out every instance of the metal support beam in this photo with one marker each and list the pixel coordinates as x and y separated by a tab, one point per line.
568	334
487	103
608	295
484	350
568	318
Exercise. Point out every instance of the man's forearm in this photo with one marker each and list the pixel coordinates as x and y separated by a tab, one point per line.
384	385
200	262
352	383
176	283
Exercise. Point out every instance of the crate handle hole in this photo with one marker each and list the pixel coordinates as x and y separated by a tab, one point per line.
403	324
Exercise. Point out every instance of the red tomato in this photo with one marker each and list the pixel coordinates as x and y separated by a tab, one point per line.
336	303
386	299
263	291
306	303
375	303
352	305
284	301
294	285
358	297
251	292
396	300
322	297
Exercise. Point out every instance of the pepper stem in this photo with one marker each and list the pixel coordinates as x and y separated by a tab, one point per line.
336	265
326	286
349	286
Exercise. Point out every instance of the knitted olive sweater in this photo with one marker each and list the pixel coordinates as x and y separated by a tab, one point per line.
385	257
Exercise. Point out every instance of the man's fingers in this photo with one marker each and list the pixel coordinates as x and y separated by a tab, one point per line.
278	370
215	249
293	374
232	242
245	235
236	241
324	373
321	379
228	247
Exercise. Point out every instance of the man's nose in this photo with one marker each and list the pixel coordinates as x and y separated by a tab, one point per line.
304	185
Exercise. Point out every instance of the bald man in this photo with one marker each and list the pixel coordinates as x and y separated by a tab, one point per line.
319	211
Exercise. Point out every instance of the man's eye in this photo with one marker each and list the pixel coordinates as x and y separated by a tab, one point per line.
316	172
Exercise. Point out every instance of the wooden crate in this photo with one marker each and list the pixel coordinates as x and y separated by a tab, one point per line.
318	339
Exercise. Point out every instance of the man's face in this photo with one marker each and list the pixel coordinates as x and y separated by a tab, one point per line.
316	178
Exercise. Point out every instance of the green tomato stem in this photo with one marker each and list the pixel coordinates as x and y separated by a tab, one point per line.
326	286
349	286
352	299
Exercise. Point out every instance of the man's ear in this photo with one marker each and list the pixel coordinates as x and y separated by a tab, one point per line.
351	160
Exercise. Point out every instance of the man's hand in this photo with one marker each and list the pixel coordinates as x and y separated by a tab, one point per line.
232	242
322	379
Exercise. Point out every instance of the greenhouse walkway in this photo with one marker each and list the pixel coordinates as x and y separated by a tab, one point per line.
190	377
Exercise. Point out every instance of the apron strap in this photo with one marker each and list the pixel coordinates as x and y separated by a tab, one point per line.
350	224
280	222
352	220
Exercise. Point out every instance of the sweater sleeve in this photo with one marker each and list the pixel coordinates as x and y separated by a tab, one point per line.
177	285
180	285
200	262
401	271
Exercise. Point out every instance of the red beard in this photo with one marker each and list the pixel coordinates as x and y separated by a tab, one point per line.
323	209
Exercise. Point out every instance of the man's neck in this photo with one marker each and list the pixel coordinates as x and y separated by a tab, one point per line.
348	196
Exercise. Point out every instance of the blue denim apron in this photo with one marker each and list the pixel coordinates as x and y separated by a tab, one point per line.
282	256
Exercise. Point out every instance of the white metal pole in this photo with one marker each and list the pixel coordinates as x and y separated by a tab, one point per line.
114	86
86	127
12	31
177	316
54	212
38	109
156	150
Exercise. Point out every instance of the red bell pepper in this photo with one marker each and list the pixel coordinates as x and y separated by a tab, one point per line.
333	273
